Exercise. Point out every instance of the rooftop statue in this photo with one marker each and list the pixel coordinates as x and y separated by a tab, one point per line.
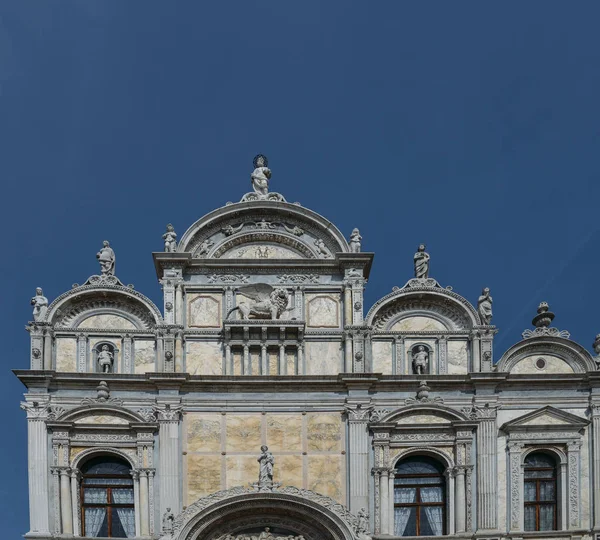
421	263
268	303
261	175
484	306
355	241
40	305
170	238
106	258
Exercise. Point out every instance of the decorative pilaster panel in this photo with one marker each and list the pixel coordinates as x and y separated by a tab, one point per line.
357	301
168	287
168	417
377	494
169	355
37	347
229	301
442	355
595	410
574	459
48	339
487	353
127	354
82	353
515	490
400	362
358	456
38	466
299	303
475	352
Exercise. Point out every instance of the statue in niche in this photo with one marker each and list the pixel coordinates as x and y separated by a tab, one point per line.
421	263
420	360
261	175
167	521
266	462
170	238
40	305
484	306
106	258
105	359
355	241
268	303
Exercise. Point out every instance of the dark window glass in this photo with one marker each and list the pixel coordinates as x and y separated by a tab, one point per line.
419	498
540	492
107	499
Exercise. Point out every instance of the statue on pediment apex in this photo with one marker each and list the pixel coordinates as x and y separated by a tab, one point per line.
107	259
261	175
421	263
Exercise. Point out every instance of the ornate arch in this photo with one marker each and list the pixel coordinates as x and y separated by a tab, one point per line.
83	456
303	512
577	357
430	451
558	454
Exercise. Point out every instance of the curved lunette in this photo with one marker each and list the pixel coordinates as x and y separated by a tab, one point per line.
440	295
452	414
59	304
331	522
110	410
189	239
576	356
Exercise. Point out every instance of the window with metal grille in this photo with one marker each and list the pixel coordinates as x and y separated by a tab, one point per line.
107	504
540	492
419	498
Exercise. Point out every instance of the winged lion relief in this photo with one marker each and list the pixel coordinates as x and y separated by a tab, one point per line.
267	302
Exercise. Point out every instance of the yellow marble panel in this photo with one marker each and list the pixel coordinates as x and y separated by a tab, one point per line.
418	324
145	356
204	358
203	476
423	419
74	451
241	470
323	358
322	311
273	363
243	433
553	364
284	432
457	357
325	475
66	354
108	321
291	362
288	470
382	357
203	432
237	362
324	432
204	311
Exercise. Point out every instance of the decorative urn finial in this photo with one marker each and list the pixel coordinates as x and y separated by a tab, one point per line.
102	391
544	316
423	391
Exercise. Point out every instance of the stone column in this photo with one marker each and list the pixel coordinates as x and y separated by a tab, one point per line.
246	368
595	409
301	359
348	362
460	499
66	506
487	477
573	484
282	359
136	501
48	349
75	501
476	353
37	449
391	501
168	440
179	303
264	369
377	496
144	501
385	501
358	456
515	489
228	369
179	353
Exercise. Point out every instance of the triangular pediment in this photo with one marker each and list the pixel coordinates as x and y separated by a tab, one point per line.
548	418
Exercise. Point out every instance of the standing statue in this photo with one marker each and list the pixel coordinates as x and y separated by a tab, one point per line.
261	175
362	525
266	534
321	247
420	360
167	521
40	305
105	359
106	258
170	238
355	241
266	462
421	263
484	306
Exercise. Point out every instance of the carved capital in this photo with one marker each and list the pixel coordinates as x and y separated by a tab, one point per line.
476	412
358	413
168	413
35	410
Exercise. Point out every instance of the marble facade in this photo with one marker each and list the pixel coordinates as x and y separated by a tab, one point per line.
329	386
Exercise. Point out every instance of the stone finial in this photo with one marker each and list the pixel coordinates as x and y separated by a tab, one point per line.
170	238
106	258
102	391
544	316
423	396
421	259
355	241
40	305
423	391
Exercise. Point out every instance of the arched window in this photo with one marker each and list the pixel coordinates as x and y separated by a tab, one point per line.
419	498
107	506
540	492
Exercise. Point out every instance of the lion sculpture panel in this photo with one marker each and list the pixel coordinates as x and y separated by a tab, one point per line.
267	302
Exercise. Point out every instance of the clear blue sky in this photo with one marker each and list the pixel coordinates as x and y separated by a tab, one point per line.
471	126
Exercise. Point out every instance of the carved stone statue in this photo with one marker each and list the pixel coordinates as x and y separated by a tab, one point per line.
321	250
204	247
106	258
266	462
420	360
105	359
421	263
362	525
266	534
261	175
40	305
355	241
484	306
167	521
269	303
170	238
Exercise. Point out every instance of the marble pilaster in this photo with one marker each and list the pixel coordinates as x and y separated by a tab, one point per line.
358	455
169	444
595	409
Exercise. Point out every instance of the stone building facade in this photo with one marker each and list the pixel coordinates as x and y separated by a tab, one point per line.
266	401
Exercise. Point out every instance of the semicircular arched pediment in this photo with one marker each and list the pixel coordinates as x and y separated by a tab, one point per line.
426	414
108	414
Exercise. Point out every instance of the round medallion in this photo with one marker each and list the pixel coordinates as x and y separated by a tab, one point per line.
540	363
